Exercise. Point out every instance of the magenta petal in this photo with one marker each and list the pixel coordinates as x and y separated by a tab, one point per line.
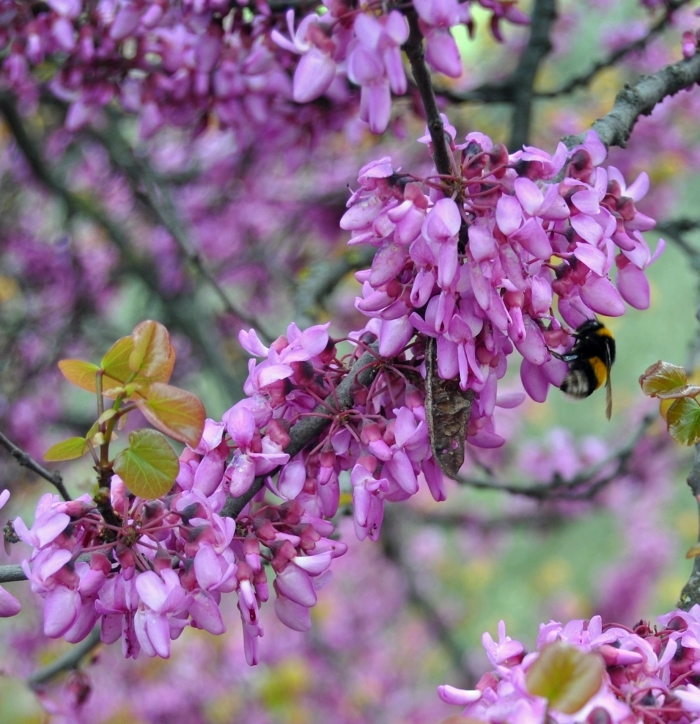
442	53
533	346
534	238
529	195
509	216
401	470
206	614
378	104
601	296
486	439
151	590
435	479
482	245
313	565
313	75
293	615
587	228
586	201
206	567
633	286
61	610
442	222
534	381
158	632
387	264
53	527
394	336
592	257
296	585
9	605
459	697
242	472
291	480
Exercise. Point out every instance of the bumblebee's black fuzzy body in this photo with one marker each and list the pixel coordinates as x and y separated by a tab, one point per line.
590	361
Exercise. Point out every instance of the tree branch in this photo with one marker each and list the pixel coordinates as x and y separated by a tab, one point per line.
635	45
392	545
178	310
615	128
25	460
160	204
67	662
310	427
522	81
690	595
11	573
560	489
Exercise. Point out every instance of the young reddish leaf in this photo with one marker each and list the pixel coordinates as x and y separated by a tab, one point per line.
81	374
148	466
683	419
567	677
70	449
662	377
175	412
153	356
683	391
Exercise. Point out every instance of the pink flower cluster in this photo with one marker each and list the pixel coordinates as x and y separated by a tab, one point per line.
479	274
168	564
475	260
651	674
177	62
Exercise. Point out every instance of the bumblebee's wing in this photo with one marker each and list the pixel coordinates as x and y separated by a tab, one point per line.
608	384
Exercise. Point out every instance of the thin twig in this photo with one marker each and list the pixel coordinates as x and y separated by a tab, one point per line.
523	78
179	311
67	662
27	461
310	427
158	200
560	489
505	90
323	277
585	79
391	544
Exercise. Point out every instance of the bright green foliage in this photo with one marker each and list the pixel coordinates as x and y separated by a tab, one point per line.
73	447
149	465
566	676
134	373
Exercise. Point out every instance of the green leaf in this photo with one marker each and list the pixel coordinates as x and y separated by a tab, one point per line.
115	366
149	466
70	449
175	412
80	373
683	420
566	676
153	355
662	377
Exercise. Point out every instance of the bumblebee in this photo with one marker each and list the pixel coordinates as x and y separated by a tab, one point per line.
589	362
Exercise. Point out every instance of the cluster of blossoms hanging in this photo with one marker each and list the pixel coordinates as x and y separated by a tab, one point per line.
177	62
477	270
650	674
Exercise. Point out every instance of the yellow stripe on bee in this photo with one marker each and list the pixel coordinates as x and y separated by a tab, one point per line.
604	332
599	370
